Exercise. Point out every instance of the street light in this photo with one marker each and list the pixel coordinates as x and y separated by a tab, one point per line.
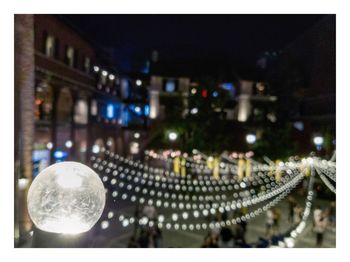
66	198
318	141
251	138
172	136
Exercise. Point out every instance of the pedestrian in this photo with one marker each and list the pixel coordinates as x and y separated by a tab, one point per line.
291	208
297	214
320	228
269	223
276	219
316	215
226	237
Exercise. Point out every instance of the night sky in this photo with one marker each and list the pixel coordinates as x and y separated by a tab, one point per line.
191	44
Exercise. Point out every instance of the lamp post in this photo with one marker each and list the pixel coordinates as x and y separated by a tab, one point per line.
64	201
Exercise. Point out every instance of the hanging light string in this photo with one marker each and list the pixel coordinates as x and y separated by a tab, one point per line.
233	205
298	230
144	221
281	167
177	187
214	206
325	180
193	185
328	168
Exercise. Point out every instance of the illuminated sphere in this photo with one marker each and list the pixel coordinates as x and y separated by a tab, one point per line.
67	197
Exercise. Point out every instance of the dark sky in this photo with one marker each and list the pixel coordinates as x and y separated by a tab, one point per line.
192	43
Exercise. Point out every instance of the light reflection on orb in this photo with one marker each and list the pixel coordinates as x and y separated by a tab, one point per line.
67	197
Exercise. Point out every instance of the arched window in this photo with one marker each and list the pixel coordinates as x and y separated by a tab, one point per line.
50	46
43	102
64	106
81	112
94	108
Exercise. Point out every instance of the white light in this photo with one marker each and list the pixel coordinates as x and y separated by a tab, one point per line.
57	194
172	136
193	91
137	109
289	242
69	144
95	149
185	215
251	138
161	218
137	135
111	77
194	111
104	224
138	82
22	183
96	68
110	214
49	145
125	223
318	140
174	217
104	73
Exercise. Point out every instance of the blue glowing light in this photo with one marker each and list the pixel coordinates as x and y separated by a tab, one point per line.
170	86
299	125
110	111
215	94
146	110
59	154
125	116
228	86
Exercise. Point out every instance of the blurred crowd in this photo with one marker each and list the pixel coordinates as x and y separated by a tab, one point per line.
324	218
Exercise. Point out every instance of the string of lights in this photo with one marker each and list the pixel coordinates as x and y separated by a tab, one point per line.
144	221
325	180
215	205
165	186
290	240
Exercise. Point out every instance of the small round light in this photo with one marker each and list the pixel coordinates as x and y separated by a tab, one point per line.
49	145
318	140
138	82
172	136
251	138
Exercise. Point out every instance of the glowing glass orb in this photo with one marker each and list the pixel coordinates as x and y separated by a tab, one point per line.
67	197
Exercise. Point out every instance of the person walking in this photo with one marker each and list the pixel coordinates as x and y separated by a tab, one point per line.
320	228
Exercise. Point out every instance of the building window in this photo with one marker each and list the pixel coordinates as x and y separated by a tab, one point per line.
43	102
70	56
87	63
93	110
81	112
50	46
64	106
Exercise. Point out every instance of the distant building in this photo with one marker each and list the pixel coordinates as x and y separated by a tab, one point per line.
82	103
